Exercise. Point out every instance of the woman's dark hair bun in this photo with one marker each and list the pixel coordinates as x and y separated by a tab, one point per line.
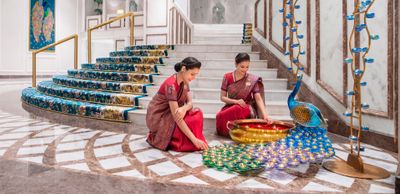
242	57
189	63
178	67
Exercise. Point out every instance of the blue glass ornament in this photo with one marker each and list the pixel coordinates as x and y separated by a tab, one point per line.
374	37
369	60
365	105
358	72
293	29
356	50
370	15
300	36
348	60
360	27
298	22
287	53
362	148
353	138
363	83
302	52
364	49
350	17
281	10
285	24
297	6
347	114
288	16
365	128
350	93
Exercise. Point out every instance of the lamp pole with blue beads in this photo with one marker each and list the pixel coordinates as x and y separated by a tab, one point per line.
291	25
354	165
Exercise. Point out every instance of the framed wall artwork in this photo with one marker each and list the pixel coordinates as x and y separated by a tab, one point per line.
41	24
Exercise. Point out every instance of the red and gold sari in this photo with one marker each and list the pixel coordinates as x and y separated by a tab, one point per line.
245	89
164	132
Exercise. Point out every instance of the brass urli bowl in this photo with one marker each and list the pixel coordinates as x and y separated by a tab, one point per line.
249	131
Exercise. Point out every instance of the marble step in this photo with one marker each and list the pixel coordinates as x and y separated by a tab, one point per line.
218	41
212	55
150	47
213	106
110	76
138	117
218	38
141	53
220	72
97	97
219	32
212	48
136	60
128	68
215	83
214	94
219	63
70	107
128	88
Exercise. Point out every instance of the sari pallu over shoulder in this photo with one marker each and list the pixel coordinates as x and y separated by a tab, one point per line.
245	89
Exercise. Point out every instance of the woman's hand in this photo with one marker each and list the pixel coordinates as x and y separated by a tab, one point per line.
180	113
269	121
200	144
241	102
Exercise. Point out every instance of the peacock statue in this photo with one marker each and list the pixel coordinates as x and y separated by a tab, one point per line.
304	114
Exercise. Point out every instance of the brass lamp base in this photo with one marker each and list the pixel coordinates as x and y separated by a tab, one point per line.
355	168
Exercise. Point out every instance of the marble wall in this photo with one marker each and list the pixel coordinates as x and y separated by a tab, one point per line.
1	27
276	20
236	11
16	58
376	94
331	45
326	30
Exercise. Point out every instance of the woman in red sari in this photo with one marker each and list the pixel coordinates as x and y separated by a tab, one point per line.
172	122
243	95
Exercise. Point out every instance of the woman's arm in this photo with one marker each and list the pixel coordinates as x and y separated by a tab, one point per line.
227	100
188	106
224	98
173	105
261	105
181	111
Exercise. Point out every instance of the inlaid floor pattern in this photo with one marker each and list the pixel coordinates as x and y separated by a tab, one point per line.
129	156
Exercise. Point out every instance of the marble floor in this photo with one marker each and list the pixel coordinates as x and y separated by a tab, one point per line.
127	159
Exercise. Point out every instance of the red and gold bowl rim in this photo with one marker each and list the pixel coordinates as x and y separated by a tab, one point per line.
261	126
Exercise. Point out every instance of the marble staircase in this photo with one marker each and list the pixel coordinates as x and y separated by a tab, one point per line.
119	87
216	61
217	34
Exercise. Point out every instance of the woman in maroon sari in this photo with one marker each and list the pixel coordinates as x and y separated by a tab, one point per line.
243	95
172	122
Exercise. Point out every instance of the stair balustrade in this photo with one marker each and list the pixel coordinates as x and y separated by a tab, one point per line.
180	27
131	16
35	52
